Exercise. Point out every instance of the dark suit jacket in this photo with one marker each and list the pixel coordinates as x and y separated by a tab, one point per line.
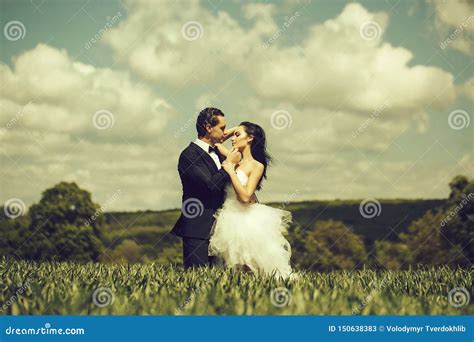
202	184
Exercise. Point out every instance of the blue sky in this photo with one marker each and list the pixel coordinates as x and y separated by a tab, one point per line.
319	73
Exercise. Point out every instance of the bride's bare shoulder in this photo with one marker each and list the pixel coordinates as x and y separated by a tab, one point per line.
257	166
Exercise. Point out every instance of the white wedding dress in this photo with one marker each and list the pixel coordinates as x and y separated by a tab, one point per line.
251	235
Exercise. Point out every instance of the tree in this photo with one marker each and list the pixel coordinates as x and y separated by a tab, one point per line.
392	255
64	225
444	236
458	224
128	251
331	245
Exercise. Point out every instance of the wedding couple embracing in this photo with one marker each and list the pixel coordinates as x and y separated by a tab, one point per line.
221	218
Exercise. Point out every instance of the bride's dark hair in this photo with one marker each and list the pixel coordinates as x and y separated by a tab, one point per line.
258	147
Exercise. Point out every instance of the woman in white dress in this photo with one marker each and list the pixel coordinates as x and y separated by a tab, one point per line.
246	234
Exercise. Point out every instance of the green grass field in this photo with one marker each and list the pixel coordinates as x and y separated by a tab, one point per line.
149	289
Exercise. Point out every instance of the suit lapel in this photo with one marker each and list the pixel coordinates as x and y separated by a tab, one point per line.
206	157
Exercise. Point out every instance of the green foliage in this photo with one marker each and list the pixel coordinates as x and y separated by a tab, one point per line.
331	245
64	225
458	225
443	236
407	232
127	252
67	288
392	255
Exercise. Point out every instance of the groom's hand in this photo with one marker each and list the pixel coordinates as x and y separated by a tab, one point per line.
234	156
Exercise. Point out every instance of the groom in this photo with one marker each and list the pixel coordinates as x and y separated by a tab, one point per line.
203	180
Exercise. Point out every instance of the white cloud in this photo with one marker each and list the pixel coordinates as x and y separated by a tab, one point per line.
170	45
332	69
347	95
454	23
47	105
338	69
467	89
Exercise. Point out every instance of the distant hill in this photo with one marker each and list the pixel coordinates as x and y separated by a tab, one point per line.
149	229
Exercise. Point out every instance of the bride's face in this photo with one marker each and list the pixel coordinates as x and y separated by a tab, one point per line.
241	139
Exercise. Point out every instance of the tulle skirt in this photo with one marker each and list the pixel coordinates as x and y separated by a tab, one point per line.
253	236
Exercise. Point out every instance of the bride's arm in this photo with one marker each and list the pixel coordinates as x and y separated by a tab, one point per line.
222	149
244	193
228	133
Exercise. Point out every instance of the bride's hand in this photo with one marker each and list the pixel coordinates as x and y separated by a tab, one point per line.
234	156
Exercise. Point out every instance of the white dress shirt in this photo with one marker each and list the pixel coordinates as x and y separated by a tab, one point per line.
205	146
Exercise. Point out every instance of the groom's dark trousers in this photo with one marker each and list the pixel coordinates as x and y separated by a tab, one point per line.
203	193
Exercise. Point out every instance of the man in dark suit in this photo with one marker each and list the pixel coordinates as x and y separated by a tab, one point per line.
203	181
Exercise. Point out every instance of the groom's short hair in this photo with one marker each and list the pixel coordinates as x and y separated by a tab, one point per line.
207	116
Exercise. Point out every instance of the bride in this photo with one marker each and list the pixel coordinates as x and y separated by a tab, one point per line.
246	234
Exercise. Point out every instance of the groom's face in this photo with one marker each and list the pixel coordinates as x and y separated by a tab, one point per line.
216	132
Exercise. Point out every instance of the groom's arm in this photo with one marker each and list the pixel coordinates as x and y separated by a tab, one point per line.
195	168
